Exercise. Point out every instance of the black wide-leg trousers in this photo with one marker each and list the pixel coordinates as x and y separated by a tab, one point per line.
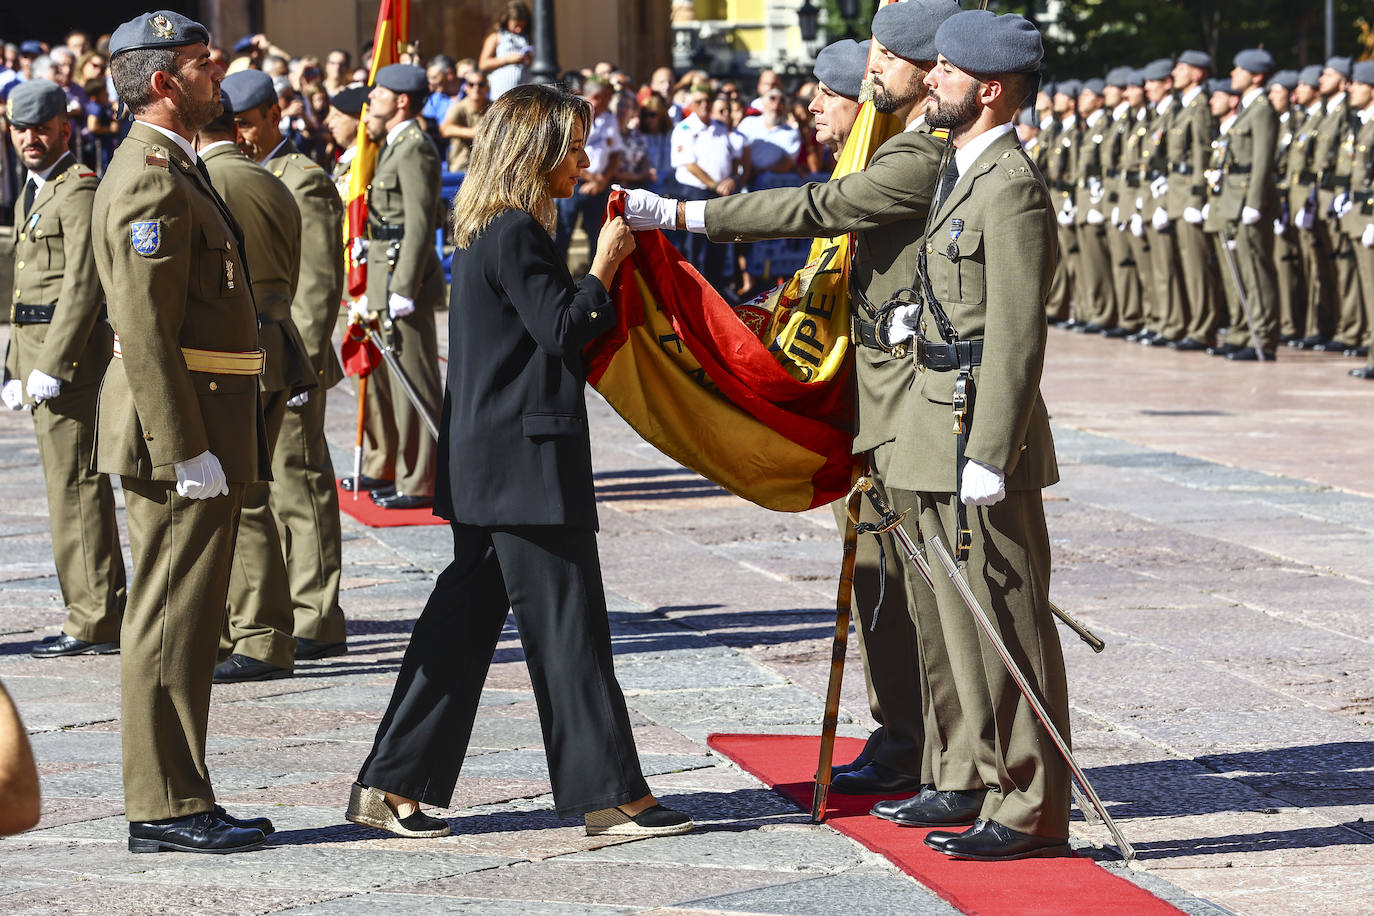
550	577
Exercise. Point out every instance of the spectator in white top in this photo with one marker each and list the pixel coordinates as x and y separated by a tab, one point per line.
768	81
772	144
706	159
604	147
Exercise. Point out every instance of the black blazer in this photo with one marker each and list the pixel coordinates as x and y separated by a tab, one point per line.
514	427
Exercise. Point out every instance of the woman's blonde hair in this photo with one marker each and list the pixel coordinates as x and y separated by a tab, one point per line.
522	138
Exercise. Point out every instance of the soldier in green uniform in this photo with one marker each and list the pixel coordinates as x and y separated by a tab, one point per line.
1169	319
1125	275
1302	208
179	420
1132	215
1224	102
59	347
1096	296
404	279
1063	306
1187	148
884	206
1246	206
304	500
379	425
990	256
1287	254
258	644
1331	163
1358	208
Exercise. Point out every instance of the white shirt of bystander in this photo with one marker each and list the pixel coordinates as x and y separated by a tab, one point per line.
711	145
769	145
603	140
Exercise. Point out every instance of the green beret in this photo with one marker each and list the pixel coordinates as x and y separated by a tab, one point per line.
247	89
36	101
980	41
163	29
406	79
908	29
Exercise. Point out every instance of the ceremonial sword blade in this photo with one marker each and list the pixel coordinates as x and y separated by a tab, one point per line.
408	387
1226	242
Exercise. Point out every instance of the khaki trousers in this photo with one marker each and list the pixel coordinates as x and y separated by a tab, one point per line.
1095	297
982	732
1144	268
1125	280
305	504
1292	288
1171	297
1254	255
81	512
181	551
1318	266
1350	323
1200	281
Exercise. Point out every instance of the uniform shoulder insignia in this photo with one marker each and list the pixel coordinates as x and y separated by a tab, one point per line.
86	175
940	133
156	156
146	236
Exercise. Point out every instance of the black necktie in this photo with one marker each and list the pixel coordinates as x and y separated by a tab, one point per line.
949	180
30	192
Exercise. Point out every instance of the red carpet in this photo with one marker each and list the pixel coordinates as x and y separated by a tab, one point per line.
365	510
1073	886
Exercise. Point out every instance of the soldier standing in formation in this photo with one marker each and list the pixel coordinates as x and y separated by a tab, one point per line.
1358	208
303	500
60	345
180	421
405	283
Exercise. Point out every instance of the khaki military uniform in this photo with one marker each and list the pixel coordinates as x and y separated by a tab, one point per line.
1187	149
404	212
170	260
1334	155
260	609
1287	250
379	426
1063	301
991	252
1094	294
1134	165
1125	275
1314	243
1359	217
58	326
304	499
1165	265
1248	181
884	206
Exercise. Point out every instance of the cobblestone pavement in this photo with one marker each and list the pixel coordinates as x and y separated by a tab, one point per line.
1198	529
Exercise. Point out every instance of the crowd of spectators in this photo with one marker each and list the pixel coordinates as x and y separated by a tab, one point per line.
691	136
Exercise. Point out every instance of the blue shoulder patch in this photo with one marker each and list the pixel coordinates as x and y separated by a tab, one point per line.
146	236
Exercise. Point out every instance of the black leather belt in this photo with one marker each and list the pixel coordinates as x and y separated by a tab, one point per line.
33	314
1113	173
943	357
1183	168
1334	182
866	333
1132	179
1307	178
386	233
1237	169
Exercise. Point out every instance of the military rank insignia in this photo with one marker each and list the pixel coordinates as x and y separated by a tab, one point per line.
146	236
162	27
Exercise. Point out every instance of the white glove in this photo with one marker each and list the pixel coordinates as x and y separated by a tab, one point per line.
1305	219
982	485
43	386
1249	216
1279	226
1342	204
1367	239
901	324
1139	204
646	210
1137	225
299	400
1116	216
357	309
1160	219
400	306
201	477
13	394
1159	187
1212	177
1206	211
1193	216
1095	190
1067	213
1095	218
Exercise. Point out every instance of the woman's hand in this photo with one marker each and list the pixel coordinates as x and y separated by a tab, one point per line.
613	245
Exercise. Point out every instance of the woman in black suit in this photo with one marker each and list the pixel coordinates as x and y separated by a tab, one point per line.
517	491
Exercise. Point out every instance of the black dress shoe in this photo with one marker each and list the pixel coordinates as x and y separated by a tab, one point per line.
1159	340
1365	372
1332	346
63	645
874	779
1141	336
1116	333
932	808
245	823
1089	328
203	832
238	668
1359	352
402	501
1290	340
1222	349
307	649
1188	344
1249	355
937	838
363	482
995	843
858	763
1312	342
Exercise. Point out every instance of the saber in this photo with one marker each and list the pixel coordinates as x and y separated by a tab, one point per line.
892	522
1226	242
843	604
394	364
358	442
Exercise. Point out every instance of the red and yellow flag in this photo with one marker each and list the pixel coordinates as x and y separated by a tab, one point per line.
759	398
393	31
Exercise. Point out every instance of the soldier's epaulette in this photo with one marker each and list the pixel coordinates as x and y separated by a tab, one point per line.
86	175
296	160
156	157
1016	164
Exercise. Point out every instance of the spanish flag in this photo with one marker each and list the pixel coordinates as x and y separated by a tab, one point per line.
393	30
758	398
